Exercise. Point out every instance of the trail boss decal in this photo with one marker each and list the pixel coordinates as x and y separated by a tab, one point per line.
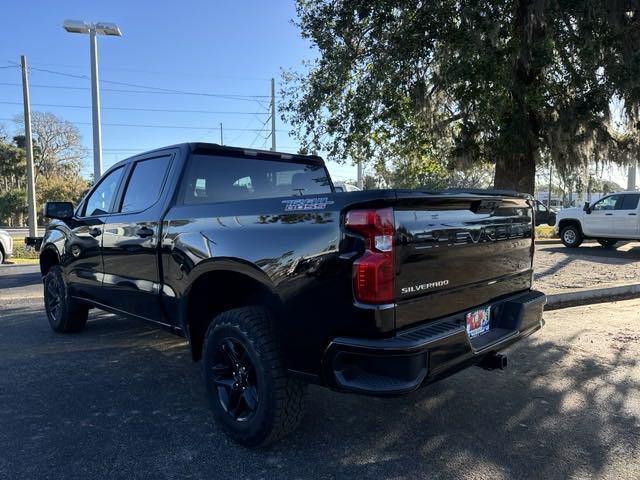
424	286
304	204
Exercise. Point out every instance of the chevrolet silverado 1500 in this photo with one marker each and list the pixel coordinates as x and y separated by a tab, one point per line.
278	281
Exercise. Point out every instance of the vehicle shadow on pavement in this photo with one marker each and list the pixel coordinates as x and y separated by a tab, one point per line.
555	268
121	400
546	416
600	254
20	280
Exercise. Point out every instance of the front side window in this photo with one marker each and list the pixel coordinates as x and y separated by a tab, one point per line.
210	178
100	200
607	203
145	184
629	202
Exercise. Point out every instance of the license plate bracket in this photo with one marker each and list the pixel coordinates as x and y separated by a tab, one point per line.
478	322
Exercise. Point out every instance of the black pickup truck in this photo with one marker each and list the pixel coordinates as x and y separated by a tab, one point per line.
279	281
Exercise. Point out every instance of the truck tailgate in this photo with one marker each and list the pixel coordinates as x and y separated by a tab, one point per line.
455	252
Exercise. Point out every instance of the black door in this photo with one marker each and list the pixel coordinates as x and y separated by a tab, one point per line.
544	216
83	264
130	243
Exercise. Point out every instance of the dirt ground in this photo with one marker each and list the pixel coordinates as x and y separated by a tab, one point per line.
560	269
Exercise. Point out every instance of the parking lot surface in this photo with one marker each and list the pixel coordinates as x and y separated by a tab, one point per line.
560	269
123	400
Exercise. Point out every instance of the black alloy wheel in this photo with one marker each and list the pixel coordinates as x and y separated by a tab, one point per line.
234	376
252	397
64	313
54	296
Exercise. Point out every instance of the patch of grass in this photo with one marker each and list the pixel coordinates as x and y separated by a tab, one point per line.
21	252
23	261
544	231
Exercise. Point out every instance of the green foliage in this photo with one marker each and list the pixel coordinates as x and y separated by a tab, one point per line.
414	173
466	81
13	206
20	250
56	167
60	189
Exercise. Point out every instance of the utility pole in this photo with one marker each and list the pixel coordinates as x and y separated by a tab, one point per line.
632	178
273	115
31	187
95	98
360	179
221	135
550	179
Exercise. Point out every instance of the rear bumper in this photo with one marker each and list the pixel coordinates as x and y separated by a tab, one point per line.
418	356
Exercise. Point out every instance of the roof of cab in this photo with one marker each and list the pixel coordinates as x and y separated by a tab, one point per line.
202	147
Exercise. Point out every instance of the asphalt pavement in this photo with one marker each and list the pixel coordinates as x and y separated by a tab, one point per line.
19	283
123	400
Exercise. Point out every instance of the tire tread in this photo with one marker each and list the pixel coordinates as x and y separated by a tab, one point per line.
74	316
289	394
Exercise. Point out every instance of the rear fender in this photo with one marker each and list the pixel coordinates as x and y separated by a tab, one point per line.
245	274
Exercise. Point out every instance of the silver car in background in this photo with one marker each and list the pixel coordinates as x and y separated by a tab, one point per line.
6	246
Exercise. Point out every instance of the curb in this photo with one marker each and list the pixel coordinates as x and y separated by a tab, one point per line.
588	297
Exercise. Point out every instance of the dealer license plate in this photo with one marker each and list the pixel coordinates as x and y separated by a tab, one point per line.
478	322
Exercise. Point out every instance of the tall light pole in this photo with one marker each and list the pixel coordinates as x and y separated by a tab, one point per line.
94	29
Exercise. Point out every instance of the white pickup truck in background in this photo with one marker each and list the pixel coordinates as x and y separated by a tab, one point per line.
6	246
611	219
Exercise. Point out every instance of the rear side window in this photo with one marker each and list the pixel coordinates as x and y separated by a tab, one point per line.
145	184
629	202
210	178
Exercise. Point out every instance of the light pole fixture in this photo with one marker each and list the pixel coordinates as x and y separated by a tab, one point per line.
94	29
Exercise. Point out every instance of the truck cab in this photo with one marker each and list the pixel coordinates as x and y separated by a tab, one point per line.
611	219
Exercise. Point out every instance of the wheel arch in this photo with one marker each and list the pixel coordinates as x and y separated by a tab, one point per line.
218	285
49	257
565	222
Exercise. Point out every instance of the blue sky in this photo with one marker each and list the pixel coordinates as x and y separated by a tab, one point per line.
212	47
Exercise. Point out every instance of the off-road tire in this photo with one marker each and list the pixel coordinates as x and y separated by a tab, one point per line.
65	315
607	242
571	236
280	403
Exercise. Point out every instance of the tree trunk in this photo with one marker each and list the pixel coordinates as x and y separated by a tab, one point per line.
516	167
516	172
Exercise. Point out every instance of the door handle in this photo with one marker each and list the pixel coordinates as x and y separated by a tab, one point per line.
144	232
95	231
634	214
608	214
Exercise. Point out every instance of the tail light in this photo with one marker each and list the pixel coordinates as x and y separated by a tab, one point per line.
373	272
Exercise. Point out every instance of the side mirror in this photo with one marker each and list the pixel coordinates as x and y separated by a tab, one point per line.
587	207
59	210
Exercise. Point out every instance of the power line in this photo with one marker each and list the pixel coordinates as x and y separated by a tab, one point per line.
261	130
152	72
132	109
127	84
140	125
147	87
246	98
